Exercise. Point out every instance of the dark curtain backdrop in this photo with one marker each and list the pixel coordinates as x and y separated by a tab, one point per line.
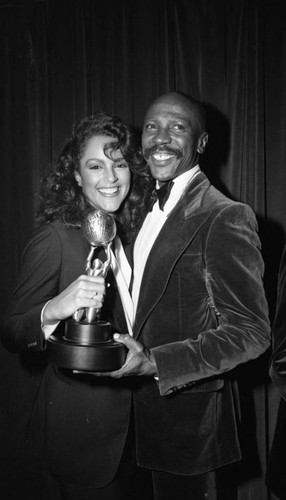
61	60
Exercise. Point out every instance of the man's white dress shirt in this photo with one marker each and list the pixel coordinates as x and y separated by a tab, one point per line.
152	226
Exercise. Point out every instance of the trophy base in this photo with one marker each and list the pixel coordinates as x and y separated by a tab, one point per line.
86	347
84	333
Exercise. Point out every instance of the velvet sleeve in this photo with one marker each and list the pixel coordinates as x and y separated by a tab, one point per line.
232	269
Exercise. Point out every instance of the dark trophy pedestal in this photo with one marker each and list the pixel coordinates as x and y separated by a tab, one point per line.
86	347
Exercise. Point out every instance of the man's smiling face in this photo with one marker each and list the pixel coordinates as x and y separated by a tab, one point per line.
171	138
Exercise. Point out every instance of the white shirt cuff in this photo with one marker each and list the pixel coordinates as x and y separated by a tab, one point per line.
47	329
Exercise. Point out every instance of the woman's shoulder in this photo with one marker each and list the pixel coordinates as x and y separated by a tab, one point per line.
52	236
57	228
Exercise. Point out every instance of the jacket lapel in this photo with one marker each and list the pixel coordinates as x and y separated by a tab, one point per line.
177	233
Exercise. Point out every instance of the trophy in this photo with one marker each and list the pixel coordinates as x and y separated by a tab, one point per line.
87	344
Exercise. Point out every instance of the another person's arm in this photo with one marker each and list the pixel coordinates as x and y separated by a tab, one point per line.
278	358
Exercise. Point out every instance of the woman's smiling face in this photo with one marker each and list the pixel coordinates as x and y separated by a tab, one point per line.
104	180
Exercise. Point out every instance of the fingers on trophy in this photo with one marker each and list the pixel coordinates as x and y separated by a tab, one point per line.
87	343
99	229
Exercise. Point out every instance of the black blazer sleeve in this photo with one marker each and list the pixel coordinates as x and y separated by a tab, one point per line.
38	283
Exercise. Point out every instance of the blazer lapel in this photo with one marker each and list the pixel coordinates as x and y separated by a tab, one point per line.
128	249
178	231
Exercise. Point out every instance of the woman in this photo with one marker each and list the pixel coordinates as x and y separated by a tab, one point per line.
78	425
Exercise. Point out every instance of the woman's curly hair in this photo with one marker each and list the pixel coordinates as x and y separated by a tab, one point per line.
60	197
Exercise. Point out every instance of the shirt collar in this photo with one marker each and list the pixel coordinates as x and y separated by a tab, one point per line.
180	184
185	178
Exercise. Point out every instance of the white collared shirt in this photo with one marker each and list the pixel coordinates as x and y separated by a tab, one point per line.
122	272
151	227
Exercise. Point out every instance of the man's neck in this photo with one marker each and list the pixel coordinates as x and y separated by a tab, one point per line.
162	183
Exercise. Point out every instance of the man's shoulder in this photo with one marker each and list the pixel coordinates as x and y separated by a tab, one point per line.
223	209
217	197
213	197
203	197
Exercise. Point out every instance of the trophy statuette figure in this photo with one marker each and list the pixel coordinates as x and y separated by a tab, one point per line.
87	344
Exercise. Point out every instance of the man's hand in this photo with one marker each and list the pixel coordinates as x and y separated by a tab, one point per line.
139	361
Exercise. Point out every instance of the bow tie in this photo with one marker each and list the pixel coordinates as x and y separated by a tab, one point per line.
162	194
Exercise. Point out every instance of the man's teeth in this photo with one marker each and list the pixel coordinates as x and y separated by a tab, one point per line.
162	156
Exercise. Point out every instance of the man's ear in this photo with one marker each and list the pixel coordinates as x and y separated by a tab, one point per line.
202	142
78	178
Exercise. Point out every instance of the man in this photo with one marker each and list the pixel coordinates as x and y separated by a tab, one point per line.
200	310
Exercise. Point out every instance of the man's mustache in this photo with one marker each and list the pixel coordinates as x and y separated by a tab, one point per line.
162	149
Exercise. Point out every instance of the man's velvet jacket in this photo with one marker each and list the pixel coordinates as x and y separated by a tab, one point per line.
202	311
77	424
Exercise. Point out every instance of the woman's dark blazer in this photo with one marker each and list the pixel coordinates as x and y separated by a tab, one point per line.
78	424
202	311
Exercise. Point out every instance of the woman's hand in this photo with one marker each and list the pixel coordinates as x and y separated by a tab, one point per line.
85	291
